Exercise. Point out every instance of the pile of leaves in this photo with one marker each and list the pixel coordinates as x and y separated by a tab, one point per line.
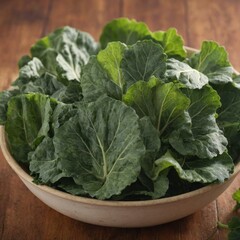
134	116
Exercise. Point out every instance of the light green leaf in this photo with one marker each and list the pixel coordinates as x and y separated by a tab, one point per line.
170	105
124	30
140	97
200	135
105	159
171	42
96	82
110	59
182	72
213	61
142	61
28	118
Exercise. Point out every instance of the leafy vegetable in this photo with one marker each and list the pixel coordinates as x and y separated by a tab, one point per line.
213	61
130	118
106	158
171	42
28	118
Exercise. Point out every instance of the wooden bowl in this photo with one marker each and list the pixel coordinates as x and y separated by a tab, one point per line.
119	213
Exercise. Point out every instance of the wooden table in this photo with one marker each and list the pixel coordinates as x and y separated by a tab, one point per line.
23	216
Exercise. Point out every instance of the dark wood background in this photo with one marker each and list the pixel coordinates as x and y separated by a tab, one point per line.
22	22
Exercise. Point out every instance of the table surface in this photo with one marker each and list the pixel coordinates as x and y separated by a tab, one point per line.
22	22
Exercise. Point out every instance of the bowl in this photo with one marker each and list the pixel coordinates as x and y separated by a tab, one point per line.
119	213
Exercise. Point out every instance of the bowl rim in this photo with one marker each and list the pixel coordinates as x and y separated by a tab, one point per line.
107	203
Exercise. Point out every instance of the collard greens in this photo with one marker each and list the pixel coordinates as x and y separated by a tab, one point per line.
130	117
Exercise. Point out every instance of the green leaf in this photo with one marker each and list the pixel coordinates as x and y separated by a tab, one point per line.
165	104
65	51
28	118
229	113
152	144
229	116
110	59
72	93
105	159
170	105
200	170
236	197
213	61
171	42
142	61
234	227
69	186
5	96
200	135
62	113
45	163
46	84
182	72
30	72
140	97
96	82
123	30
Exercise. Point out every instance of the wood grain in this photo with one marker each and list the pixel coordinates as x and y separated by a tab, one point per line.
23	216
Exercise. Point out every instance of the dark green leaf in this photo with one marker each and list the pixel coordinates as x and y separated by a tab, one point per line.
45	163
5	96
234	227
142	61
105	158
200	135
28	118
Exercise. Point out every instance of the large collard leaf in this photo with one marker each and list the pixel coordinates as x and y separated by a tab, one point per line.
44	163
30	72
5	96
28	118
213	61
171	42
143	60
64	52
200	135
186	75
229	116
123	30
101	147
164	103
200	170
